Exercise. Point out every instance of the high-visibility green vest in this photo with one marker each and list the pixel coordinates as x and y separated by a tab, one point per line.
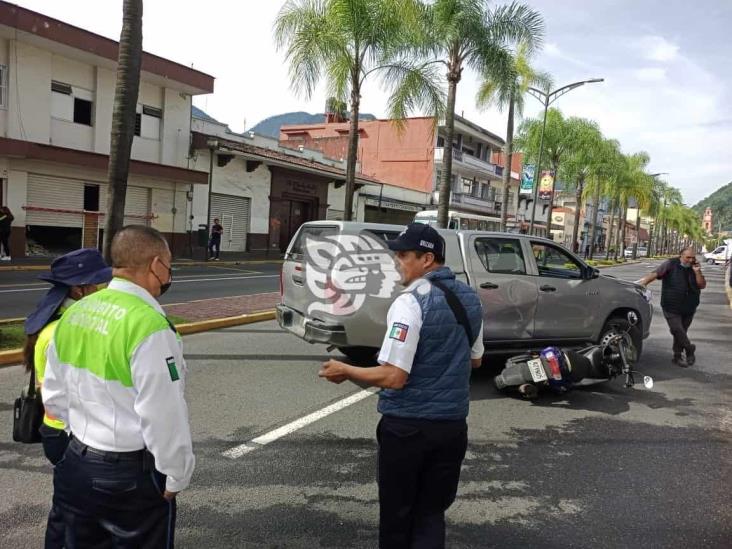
39	360
101	332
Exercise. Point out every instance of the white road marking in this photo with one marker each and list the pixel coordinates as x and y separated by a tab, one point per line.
175	281
258	442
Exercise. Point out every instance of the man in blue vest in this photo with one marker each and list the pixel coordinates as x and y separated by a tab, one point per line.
682	283
434	335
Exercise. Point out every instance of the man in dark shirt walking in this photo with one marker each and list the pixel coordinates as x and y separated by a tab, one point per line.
6	220
682	284
215	242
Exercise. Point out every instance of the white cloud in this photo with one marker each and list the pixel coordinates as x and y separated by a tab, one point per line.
657	48
650	74
552	50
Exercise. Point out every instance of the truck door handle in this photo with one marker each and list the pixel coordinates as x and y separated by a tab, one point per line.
489	286
547	288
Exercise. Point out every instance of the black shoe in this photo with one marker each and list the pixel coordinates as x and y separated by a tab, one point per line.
690	357
678	360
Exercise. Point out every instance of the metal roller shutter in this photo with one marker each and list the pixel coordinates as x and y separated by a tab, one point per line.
137	203
233	212
54	193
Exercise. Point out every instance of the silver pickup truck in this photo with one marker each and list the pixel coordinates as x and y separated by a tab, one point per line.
338	280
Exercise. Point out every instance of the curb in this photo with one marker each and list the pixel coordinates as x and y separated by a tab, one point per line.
175	264
6	321
14	357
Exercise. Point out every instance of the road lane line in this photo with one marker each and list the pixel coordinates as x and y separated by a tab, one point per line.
266	438
176	281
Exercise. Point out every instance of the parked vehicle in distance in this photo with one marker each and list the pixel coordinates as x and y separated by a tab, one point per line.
534	292
720	255
641	252
461	220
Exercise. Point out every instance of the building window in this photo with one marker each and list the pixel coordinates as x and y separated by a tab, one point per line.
71	104
147	122
82	111
3	87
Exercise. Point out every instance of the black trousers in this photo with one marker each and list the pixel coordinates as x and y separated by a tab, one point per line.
54	443
418	472
214	243
5	243
111	502
678	325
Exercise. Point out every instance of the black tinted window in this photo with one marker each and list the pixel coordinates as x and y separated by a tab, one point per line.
309	231
501	255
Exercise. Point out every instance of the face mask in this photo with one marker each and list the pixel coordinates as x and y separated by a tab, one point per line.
165	286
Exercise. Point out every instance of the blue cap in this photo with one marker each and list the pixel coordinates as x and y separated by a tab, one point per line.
419	237
78	268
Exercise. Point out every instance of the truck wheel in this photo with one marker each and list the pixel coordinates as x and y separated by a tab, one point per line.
710	261
620	325
361	356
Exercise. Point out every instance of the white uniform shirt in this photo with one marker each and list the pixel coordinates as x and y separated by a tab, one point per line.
151	414
403	323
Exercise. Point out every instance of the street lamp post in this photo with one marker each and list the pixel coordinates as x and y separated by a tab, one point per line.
546	99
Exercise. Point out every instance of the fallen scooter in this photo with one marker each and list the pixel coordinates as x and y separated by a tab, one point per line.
560	371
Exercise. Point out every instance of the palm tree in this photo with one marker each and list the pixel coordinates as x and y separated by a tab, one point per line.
466	33
604	167
507	90
347	41
577	166
123	118
638	187
559	142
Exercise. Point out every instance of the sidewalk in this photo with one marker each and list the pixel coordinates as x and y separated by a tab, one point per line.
222	307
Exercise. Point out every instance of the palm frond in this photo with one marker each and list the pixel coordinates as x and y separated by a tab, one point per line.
415	87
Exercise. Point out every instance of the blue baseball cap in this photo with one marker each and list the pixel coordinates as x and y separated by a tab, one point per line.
419	237
82	267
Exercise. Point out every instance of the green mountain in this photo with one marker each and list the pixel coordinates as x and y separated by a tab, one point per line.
271	126
720	201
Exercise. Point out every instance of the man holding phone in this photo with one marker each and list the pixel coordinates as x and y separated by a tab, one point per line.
682	284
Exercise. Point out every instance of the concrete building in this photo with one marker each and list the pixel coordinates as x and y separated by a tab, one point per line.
261	192
56	97
410	160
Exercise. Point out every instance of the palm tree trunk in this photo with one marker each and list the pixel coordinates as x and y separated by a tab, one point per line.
550	209
578	208
610	231
507	163
596	214
637	231
620	248
123	119
443	203
352	158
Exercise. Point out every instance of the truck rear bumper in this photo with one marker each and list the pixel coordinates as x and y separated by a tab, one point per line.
311	330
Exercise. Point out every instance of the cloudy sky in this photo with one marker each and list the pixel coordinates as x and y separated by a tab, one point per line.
667	66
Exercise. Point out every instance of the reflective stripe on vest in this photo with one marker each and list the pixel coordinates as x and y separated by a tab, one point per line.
39	360
101	332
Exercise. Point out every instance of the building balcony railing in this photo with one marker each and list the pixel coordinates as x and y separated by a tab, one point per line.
481	205
470	162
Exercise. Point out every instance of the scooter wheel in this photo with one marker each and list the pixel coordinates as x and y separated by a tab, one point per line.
528	391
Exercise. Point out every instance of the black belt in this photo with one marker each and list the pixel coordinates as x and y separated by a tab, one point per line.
83	449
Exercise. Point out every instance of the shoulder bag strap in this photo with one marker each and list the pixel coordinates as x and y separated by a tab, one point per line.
32	383
458	310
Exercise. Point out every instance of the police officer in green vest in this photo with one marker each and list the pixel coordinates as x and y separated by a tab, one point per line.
73	276
115	375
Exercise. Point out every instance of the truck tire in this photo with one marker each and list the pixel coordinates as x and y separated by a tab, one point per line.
620	324
361	356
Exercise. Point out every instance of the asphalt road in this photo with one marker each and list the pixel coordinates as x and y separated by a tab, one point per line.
602	467
21	290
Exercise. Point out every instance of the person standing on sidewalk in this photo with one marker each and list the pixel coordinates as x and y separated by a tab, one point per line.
115	375
215	242
682	282
434	335
6	220
74	276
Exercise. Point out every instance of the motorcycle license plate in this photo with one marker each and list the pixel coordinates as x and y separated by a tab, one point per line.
537	370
